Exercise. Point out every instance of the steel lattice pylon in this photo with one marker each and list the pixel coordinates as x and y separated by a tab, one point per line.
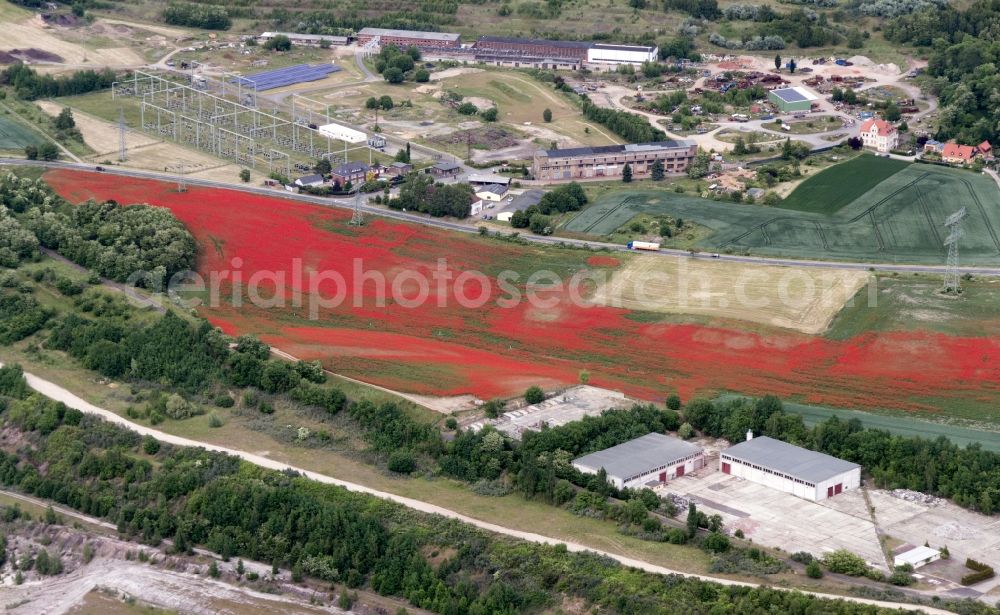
357	217
952	283
121	135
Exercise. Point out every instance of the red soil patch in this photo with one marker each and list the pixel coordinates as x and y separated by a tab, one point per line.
603	261
491	350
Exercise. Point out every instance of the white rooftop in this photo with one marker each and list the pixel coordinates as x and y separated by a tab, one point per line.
917	556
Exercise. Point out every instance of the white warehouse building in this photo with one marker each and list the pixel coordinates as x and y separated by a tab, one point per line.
342	133
807	474
602	53
653	458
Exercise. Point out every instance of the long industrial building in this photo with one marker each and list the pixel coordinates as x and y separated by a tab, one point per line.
602	53
807	474
405	38
610	160
652	458
549	54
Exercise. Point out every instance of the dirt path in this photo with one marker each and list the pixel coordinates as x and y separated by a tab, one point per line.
54	391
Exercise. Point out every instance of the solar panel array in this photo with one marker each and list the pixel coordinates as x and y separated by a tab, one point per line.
280	77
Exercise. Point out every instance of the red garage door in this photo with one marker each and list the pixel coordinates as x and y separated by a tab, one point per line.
829	492
838	488
726	468
680	471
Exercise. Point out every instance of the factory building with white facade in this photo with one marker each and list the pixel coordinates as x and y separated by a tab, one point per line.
603	53
804	473
652	458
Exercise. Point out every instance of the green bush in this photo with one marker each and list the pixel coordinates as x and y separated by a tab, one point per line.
982	572
843	561
813	570
225	401
150	445
534	395
402	462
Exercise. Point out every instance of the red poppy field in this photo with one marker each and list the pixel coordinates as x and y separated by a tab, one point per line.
443	348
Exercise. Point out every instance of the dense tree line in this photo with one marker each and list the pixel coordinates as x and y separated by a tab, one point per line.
969	476
209	17
17	243
121	243
29	85
198	497
429	15
964	54
631	127
420	193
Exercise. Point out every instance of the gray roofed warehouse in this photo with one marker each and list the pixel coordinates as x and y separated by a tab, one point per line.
653	457
802	472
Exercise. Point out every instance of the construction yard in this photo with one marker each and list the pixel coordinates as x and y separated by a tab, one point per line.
899	218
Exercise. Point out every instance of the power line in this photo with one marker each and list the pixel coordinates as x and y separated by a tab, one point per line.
121	135
952	283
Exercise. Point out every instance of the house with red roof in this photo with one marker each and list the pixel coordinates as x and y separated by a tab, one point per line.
953	153
985	150
879	135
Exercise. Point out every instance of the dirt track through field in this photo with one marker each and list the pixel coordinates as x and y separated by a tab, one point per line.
54	391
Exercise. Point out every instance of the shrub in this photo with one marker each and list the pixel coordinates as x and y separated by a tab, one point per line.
802	557
982	572
225	401
813	570
214	420
843	561
685	431
402	462
716	543
534	395
150	445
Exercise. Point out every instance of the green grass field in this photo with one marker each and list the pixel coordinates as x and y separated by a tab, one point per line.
915	303
833	189
14	134
902	425
898	220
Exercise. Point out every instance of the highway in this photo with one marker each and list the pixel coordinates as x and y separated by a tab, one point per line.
471	228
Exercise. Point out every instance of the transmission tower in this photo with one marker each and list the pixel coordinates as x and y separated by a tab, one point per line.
357	217
121	135
952	283
180	169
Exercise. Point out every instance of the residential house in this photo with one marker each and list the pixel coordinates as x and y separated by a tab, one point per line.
985	150
399	168
953	153
933	147
879	135
354	172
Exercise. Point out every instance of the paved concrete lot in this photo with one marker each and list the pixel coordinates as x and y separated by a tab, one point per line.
965	533
778	519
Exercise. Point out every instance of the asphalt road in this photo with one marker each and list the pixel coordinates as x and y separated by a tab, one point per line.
54	391
471	228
